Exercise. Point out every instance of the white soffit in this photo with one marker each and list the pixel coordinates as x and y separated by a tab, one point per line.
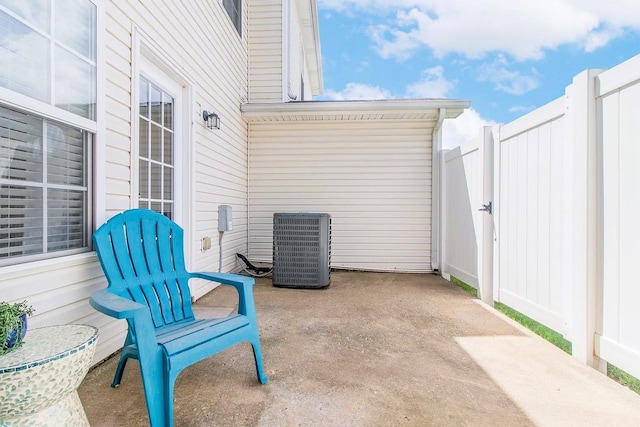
388	109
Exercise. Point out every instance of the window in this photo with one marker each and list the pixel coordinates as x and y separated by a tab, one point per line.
43	186
47	122
234	9
155	149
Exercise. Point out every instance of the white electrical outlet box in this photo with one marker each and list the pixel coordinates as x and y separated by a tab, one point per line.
225	218
206	243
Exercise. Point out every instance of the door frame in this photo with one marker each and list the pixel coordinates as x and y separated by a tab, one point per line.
154	63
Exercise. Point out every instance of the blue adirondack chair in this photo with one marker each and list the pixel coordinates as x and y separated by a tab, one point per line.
141	253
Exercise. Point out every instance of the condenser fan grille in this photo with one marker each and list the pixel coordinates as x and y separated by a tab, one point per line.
301	250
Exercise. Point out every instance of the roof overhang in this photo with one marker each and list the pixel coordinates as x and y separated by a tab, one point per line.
388	109
308	12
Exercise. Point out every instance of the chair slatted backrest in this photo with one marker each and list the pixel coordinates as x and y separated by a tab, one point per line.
142	255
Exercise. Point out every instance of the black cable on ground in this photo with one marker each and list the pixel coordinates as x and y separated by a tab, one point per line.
253	270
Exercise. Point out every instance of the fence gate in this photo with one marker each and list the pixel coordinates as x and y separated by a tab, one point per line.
467	218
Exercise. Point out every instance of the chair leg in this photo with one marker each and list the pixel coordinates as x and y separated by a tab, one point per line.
257	355
117	378
152	369
169	385
127	353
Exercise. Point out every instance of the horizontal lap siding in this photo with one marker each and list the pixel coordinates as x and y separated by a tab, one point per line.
59	288
218	71
265	51
118	111
374	178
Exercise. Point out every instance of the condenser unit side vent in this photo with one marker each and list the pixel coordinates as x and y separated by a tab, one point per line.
301	250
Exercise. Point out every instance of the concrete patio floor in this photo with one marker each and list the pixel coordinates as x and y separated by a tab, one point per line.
375	349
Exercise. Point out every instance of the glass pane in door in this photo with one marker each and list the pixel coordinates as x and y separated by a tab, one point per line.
156	148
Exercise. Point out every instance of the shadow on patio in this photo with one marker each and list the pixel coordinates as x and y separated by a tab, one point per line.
375	349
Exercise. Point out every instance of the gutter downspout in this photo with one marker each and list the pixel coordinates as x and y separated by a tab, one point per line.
437	208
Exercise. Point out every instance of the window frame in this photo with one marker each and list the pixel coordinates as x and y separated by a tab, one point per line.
49	112
231	6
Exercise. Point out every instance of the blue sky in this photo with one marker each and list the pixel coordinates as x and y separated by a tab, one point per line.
507	57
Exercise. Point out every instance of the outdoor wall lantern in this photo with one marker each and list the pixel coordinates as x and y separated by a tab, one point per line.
211	120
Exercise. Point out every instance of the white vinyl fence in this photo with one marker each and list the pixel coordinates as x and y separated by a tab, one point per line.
563	245
618	336
467	191
534	215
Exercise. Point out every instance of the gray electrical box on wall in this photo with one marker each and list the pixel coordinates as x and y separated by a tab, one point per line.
225	218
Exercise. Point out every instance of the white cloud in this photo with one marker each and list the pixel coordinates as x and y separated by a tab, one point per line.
505	80
358	91
370	6
522	29
402	47
432	85
464	128
599	39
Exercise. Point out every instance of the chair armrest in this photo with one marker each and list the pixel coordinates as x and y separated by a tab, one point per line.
243	284
116	306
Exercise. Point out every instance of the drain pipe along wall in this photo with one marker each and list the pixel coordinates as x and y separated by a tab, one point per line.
437	208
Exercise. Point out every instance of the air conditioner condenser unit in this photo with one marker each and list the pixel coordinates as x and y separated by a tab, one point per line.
301	250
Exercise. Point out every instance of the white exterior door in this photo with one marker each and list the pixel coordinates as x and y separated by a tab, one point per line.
159	109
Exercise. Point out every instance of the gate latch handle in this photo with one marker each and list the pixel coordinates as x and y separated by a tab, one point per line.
487	208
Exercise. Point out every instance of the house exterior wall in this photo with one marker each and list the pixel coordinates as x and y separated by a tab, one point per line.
265	50
277	60
214	168
215	74
373	177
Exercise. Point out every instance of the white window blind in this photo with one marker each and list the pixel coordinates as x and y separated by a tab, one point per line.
43	186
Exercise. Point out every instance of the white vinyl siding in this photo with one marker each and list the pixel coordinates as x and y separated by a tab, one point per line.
373	177
218	167
118	101
59	291
283	39
265	51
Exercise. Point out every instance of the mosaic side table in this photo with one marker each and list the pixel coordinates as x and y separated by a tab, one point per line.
39	381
